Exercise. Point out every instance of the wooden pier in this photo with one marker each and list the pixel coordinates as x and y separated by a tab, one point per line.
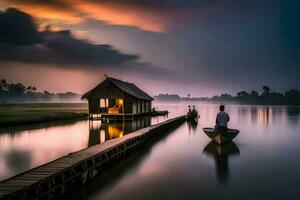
57	179
124	117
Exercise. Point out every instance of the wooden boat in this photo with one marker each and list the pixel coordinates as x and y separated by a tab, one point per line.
221	137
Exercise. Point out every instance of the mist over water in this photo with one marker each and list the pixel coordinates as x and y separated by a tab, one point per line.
187	165
184	164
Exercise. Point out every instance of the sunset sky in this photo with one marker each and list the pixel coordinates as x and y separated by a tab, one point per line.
201	47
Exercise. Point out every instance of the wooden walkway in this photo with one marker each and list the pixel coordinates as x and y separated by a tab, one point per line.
67	174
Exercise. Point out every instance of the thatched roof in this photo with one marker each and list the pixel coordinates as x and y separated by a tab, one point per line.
126	87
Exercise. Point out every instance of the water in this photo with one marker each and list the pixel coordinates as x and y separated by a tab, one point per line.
21	150
263	162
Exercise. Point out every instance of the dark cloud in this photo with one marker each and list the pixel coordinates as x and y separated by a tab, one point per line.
17	28
20	40
223	45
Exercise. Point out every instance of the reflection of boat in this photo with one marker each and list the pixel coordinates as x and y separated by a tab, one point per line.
221	153
221	137
229	148
192	125
192	119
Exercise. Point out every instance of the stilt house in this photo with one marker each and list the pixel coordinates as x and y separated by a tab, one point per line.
114	97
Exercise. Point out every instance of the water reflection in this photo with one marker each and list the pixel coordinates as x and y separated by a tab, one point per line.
264	115
221	154
192	125
17	160
103	131
253	112
19	129
293	114
173	169
269	115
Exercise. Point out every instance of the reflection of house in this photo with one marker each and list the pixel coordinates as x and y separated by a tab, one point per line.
101	132
114	97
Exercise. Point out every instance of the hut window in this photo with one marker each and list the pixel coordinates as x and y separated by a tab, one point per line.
102	103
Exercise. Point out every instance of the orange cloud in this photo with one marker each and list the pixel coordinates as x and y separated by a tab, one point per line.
148	18
47	13
118	14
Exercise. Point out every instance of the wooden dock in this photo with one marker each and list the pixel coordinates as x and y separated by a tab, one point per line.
125	116
67	174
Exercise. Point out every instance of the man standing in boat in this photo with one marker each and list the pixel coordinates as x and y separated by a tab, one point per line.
222	119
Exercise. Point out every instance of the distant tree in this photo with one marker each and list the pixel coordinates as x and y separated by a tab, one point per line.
292	93
3	86
16	89
266	90
189	95
225	97
3	82
292	96
242	94
254	96
215	98
18	93
31	91
254	93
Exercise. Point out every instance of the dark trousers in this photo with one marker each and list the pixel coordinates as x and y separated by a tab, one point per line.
221	128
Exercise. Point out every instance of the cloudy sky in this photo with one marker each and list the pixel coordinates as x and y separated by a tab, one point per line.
202	47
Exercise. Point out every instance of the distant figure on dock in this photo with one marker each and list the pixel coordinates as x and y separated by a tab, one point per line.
190	111
194	112
189	114
222	119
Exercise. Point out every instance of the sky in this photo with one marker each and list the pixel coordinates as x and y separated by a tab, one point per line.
197	47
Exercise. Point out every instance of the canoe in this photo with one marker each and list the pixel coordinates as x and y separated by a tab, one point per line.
221	137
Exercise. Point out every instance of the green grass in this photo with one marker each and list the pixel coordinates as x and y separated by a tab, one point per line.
23	114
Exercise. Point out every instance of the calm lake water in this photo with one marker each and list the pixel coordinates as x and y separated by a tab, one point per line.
263	162
21	150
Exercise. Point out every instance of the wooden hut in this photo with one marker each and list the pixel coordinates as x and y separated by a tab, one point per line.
113	98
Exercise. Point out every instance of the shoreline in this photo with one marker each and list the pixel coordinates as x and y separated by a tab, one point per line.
12	115
56	118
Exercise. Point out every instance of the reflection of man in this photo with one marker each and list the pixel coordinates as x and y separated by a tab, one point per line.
222	119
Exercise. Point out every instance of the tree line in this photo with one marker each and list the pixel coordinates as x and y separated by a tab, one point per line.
17	92
266	96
